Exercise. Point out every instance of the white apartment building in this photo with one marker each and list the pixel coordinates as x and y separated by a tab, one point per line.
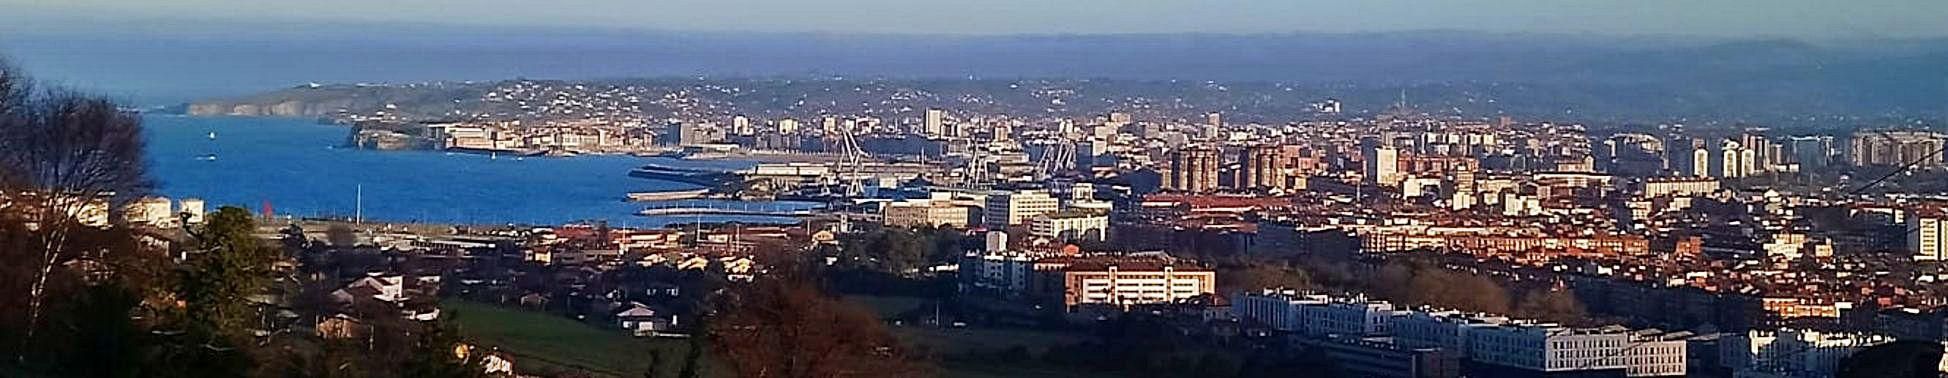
1000	272
1550	348
150	211
1127	283
1677	186
1445	329
1273	308
1349	316
1012	207
935	122
1071	225
1382	165
158	212
933	212
1316	314
1517	346
1929	226
1791	352
193	207
1729	159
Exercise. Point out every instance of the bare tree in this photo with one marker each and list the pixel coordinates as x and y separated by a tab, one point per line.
787	328
13	93
63	156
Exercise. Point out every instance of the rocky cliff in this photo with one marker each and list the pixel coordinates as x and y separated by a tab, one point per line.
272	108
331	100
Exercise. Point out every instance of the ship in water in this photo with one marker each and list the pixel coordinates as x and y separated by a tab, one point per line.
668	195
699	177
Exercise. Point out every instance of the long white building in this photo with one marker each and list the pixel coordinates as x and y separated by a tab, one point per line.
1551	348
1315	314
1448	330
1499	344
937	211
1070	225
1791	352
1278	310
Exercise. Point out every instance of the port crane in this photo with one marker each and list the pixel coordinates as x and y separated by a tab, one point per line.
1057	157
851	169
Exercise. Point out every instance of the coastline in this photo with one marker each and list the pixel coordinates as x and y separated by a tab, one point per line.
297	166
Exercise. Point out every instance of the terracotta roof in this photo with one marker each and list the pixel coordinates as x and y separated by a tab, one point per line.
1124	264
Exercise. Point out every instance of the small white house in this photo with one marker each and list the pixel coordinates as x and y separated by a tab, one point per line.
495	365
384	287
643	321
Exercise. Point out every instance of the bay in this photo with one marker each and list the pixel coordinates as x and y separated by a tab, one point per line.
299	167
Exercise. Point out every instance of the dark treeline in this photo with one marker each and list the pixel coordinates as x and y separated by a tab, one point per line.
900	250
216	300
84	297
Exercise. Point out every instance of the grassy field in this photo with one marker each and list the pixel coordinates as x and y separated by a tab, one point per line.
962	341
546	343
951	341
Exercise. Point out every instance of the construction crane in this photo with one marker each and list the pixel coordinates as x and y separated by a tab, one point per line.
1056	158
852	163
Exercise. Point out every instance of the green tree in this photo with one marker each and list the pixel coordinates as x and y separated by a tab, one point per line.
433	355
293	239
1256	276
227	265
946	245
340	235
105	341
890	250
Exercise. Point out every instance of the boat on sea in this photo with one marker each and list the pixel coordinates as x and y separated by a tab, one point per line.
692	176
667	195
212	135
210	157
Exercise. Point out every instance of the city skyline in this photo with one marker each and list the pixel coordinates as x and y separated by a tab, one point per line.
881	188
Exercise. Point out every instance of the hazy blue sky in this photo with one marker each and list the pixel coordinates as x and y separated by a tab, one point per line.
1811	19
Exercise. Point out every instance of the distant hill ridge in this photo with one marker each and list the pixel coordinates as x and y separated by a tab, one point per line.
1273	76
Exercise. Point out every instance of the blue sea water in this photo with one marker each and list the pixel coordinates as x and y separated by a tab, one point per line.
301	168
